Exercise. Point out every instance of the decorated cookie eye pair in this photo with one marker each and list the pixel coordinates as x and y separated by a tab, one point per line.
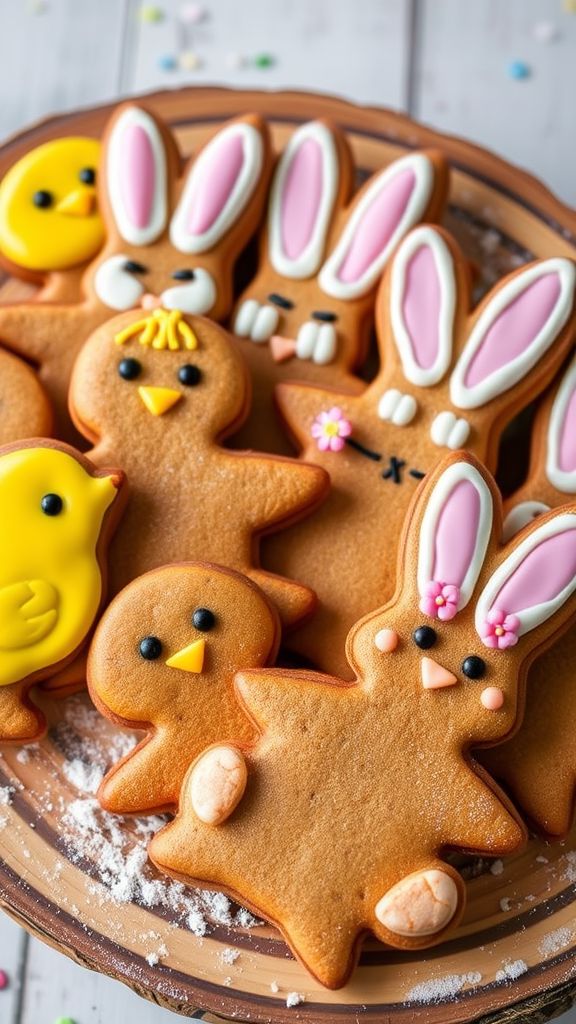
425	637
188	374
44	199
150	647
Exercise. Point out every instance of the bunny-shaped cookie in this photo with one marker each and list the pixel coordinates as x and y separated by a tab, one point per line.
163	658
157	394
309	312
539	764
354	791
450	378
173	236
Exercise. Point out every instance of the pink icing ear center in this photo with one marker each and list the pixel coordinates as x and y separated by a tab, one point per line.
567	448
214	177
377	226
456	533
514	330
542	575
301	197
421	306
138	175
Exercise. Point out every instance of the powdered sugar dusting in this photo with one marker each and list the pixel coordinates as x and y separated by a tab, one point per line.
438	990
512	970
555	941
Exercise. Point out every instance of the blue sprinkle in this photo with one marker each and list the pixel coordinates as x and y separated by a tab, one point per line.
167	63
518	69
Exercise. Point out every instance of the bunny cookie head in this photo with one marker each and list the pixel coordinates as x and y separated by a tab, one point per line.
365	839
165	654
165	374
450	378
173	236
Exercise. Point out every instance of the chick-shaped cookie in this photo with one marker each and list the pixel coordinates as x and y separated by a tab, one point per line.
163	658
336	822
56	516
49	220
157	394
450	378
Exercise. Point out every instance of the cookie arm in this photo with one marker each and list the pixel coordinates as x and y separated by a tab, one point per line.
121	791
20	721
469	831
22	328
293	601
299	405
279	491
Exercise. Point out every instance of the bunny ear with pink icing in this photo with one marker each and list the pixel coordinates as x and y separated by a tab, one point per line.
302	199
453	538
423	299
218	187
531	585
561	436
136	177
392	203
515	329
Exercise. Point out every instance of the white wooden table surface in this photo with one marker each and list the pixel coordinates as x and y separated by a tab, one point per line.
446	62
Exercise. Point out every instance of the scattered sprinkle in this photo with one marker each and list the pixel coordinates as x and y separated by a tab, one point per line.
519	70
545	32
3	980
294	999
541	859
555	941
512	970
64	1020
151	14
570	6
6	794
229	956
497	867
439	989
264	60
167	62
505	904
189	61
274	987
192	13
38	6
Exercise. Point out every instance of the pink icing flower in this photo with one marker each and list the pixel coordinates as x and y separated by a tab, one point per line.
440	600
330	429
500	630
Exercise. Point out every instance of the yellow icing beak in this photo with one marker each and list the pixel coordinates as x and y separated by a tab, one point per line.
80	203
159	400
189	659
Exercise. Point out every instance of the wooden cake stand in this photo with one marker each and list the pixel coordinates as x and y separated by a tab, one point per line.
67	872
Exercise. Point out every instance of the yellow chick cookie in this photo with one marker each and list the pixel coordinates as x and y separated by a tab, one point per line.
57	513
49	219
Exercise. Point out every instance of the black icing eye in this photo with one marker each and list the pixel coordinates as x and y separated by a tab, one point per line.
133	267
87	175
474	667
189	375
324	316
150	648
280	300
203	619
43	199
185	274
51	504
129	369
424	637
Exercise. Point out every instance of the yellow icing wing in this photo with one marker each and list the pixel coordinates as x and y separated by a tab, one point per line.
28	613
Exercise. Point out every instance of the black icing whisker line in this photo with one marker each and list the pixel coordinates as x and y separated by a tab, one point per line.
417	474
363	451
393	471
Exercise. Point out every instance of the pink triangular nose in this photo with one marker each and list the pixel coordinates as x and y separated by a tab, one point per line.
435	676
150	301
282	348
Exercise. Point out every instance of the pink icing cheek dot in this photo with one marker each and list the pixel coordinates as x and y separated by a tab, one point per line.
492	698
386	640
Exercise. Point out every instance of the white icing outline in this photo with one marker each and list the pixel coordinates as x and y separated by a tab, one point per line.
534	615
521	515
242	191
108	279
424	172
452	476
197	296
420	238
307	263
501	380
159	213
559	478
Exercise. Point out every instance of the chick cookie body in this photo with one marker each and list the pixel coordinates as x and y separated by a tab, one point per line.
56	515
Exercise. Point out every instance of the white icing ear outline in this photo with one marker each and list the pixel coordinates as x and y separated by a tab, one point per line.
424	237
239	197
503	379
534	615
559	478
446	483
520	515
307	263
114	159
424	172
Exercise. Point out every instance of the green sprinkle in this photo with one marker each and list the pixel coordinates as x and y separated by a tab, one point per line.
264	60
64	1020
151	14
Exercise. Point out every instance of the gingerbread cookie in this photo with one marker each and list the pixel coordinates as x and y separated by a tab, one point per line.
353	791
538	765
49	221
24	407
450	378
173	236
309	312
157	393
57	517
163	658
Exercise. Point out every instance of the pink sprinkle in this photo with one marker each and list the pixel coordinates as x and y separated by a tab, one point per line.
3	980
492	698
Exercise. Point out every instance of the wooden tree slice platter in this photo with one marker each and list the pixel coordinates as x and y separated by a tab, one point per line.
78	878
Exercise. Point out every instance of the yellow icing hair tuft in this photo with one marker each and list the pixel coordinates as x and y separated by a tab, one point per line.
164	328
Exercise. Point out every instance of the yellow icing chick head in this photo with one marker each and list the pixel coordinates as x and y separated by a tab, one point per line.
48	211
52	514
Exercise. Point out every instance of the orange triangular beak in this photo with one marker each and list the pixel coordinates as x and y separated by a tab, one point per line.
80	203
435	676
190	658
159	400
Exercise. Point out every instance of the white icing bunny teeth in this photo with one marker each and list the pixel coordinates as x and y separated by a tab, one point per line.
449	431
256	321
397	408
316	341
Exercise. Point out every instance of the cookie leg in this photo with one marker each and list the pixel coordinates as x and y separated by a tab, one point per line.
419	906
294	601
217	783
19	720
